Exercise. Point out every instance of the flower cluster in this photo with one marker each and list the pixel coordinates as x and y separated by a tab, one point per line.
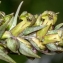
32	34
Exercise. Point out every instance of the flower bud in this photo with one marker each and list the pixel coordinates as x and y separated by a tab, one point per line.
51	47
12	44
26	48
36	43
51	38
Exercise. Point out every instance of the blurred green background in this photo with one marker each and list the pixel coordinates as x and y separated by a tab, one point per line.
34	7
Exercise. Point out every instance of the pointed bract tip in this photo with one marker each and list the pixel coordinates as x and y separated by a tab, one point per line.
57	12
